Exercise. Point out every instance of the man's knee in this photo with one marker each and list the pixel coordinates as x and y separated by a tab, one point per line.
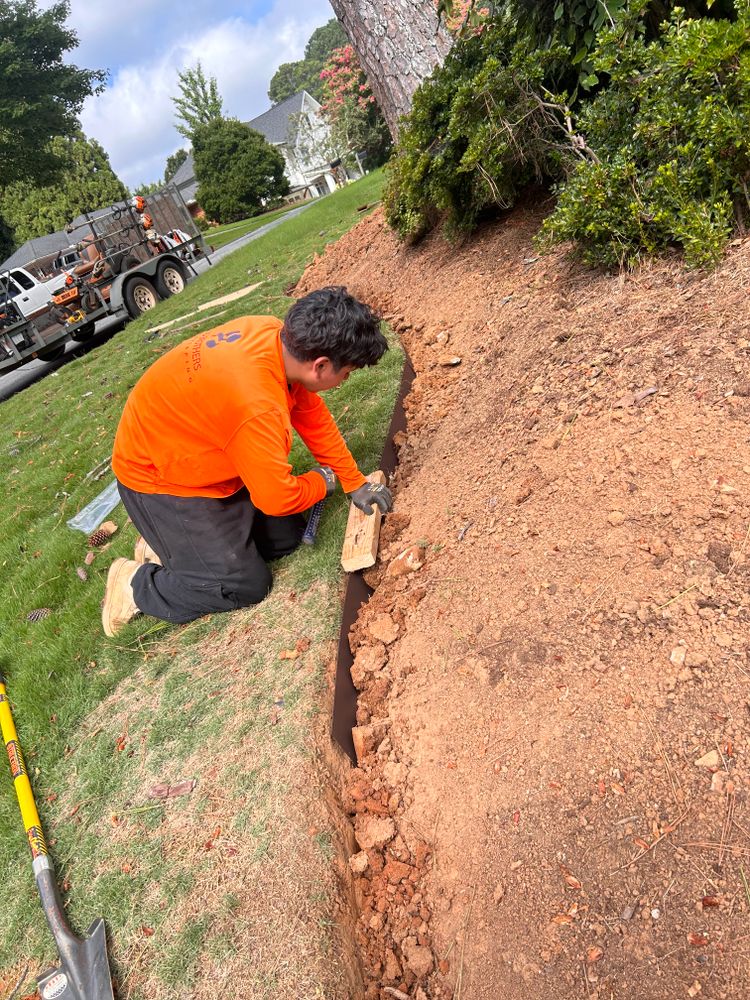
251	589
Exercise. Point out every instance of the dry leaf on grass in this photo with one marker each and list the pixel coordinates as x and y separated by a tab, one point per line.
166	791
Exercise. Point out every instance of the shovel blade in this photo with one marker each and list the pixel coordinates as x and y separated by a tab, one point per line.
83	973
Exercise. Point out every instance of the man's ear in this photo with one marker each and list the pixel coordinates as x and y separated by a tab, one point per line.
321	366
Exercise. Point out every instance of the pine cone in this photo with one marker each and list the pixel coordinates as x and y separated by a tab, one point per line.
37	614
102	534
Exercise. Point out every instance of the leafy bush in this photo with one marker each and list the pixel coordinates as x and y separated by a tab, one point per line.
641	123
671	136
478	132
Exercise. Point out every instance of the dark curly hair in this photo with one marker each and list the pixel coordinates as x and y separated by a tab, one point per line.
331	323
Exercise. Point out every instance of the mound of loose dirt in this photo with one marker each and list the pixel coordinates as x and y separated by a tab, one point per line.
552	792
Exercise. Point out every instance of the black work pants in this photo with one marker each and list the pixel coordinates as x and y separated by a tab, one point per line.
214	552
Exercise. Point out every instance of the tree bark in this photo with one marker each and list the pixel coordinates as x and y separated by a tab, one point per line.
398	43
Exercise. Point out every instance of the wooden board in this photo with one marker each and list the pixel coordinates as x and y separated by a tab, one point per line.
362	534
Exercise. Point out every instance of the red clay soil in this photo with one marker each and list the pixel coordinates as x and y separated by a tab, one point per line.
552	798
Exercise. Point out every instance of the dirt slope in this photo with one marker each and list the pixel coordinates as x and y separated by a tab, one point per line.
553	787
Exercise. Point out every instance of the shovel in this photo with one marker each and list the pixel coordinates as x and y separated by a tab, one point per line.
83	973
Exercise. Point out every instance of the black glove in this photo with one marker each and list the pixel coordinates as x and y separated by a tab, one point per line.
328	476
370	495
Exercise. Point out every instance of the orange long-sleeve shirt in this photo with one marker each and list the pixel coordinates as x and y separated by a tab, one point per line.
216	412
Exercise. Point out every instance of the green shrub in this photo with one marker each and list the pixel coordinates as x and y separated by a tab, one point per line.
476	135
640	123
671	138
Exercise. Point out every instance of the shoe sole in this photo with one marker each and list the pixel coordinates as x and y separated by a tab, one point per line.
115	614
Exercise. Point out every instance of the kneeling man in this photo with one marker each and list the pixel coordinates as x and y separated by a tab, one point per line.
201	456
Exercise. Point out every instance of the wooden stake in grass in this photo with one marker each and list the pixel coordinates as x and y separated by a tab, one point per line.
362	534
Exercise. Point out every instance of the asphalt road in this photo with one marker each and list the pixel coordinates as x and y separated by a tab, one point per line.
34	371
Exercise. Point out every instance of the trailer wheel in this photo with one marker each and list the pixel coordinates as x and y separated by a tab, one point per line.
127	262
83	333
140	296
170	279
53	354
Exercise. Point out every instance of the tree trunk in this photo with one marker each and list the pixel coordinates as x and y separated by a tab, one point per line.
398	43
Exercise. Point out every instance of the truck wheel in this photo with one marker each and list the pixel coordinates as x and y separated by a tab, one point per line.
170	278
83	333
140	296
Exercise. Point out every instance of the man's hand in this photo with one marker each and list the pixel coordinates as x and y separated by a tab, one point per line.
328	476
370	495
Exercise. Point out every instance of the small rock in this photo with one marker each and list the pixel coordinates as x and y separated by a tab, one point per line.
677	656
397	871
418	958
383	629
395	773
717	782
696	660
408	561
359	863
616	517
710	759
442	338
392	971
374	831
499	892
449	361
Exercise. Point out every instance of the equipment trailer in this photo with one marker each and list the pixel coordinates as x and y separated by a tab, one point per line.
130	256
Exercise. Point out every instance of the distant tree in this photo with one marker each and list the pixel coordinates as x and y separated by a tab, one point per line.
87	182
200	102
41	94
146	189
174	162
304	74
288	79
7	242
238	172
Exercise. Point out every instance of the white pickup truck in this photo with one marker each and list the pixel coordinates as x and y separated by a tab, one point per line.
27	293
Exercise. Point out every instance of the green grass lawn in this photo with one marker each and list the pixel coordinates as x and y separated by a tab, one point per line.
210	885
225	234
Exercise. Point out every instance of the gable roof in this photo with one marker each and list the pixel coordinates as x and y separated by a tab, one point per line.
184	179
275	124
40	246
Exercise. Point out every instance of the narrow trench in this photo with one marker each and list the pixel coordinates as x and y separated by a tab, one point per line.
374	899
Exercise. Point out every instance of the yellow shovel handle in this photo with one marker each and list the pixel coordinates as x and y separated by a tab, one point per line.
32	823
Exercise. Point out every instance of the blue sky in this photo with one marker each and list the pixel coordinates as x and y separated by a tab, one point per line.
145	43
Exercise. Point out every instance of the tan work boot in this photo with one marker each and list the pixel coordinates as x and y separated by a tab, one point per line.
119	604
144	553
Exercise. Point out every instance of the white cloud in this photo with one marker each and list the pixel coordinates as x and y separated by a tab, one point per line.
134	118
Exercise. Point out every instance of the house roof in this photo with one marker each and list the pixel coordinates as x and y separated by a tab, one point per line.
184	179
40	246
275	124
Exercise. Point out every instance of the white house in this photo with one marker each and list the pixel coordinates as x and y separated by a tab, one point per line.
299	132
